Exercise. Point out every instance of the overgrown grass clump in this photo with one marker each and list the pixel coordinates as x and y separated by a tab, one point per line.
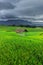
21	50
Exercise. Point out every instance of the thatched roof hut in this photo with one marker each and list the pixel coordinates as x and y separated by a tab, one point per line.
21	30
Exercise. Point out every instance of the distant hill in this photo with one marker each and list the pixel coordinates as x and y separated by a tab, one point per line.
15	22
19	22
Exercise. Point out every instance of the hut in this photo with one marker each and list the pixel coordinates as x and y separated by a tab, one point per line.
21	30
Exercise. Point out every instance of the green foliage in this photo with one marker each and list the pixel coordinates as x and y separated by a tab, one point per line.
21	49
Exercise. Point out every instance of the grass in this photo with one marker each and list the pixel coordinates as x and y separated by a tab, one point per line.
21	49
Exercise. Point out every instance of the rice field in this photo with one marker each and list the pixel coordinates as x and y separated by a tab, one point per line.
24	48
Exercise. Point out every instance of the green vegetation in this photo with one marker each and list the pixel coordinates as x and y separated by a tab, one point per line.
21	48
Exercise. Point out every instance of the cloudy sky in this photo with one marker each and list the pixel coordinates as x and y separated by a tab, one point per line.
22	8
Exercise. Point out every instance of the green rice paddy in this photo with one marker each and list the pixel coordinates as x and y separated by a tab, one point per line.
21	48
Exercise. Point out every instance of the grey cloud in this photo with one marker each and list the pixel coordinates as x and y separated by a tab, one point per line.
5	5
29	7
11	1
23	8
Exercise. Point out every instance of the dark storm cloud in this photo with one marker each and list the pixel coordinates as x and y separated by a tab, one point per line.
12	1
5	5
29	7
23	8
